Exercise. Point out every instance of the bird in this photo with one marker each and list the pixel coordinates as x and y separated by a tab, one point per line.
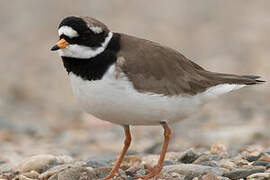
132	81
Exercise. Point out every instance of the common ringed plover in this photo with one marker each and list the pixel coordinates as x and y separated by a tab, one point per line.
127	80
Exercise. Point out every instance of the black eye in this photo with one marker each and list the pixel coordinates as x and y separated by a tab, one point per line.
68	39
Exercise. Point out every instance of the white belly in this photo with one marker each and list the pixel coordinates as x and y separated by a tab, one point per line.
116	100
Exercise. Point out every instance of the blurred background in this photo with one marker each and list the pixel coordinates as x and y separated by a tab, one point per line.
39	114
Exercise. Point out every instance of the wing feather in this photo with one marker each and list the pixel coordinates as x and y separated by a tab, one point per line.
154	68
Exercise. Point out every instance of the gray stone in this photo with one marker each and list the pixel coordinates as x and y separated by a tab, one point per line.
223	178
188	156
75	173
54	177
209	176
54	170
58	168
207	157
7	167
267	151
141	172
192	169
130	178
37	163
259	176
133	169
8	176
209	163
122	174
191	176
41	163
252	158
100	161
214	157
104	171
227	164
260	163
202	158
242	173
168	163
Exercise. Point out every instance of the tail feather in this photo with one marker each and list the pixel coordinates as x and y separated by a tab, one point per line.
220	78
256	79
224	83
251	76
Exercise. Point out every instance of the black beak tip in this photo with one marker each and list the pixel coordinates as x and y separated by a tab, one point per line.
54	48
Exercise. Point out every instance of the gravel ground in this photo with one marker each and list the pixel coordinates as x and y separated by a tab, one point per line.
215	164
38	112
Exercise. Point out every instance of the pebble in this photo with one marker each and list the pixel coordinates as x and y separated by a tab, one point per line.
41	163
22	177
100	161
188	165
265	158
188	156
209	163
133	170
168	163
202	158
223	178
32	174
129	161
6	176
242	173
267	151
227	164
252	158
103	171
260	163
187	169
219	149
209	176
37	163
7	167
54	170
76	173
140	172
239	161
207	157
171	176
150	160
259	176
251	151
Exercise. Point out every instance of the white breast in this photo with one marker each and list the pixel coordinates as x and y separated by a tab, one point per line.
116	100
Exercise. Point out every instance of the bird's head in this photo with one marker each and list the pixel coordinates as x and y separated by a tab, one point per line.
81	37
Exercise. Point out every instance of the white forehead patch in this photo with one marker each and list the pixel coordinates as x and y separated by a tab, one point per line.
96	29
68	31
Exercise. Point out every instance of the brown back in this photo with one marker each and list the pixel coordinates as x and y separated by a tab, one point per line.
154	68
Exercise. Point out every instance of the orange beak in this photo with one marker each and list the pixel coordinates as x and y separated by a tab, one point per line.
60	45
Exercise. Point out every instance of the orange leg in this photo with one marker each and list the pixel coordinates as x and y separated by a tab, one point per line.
156	170
120	159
